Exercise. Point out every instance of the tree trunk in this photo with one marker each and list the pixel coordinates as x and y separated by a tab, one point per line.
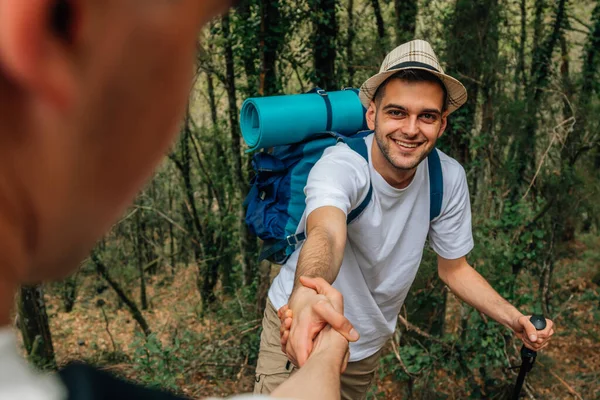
538	24
524	157
249	37
172	254
323	41
575	145
212	101
381	43
489	68
589	72
271	38
233	109
466	57
133	308
33	321
69	292
406	20
140	259
520	76
349	44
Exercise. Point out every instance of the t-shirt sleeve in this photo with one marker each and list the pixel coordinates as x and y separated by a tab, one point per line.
340	179
450	234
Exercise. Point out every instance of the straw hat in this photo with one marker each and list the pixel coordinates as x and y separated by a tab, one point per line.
417	54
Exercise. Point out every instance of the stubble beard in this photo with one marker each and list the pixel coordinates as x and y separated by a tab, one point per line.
383	145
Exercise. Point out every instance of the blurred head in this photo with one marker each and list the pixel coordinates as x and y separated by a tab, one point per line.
91	95
408	114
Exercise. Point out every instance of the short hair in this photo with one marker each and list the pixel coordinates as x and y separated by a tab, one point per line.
412	75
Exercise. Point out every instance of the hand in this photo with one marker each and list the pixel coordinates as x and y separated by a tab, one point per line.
311	307
331	347
532	338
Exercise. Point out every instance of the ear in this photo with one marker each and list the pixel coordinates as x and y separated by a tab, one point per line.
33	54
370	115
444	123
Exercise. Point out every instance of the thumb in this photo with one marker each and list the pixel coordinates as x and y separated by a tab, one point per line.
318	284
303	350
321	286
529	328
337	320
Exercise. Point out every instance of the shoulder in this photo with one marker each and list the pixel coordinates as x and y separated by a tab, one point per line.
344	153
342	160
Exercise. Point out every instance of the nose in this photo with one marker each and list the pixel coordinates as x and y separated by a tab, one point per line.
410	127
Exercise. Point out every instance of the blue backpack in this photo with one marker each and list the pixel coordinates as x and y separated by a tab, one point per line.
276	201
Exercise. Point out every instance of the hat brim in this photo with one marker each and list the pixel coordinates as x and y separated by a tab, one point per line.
457	94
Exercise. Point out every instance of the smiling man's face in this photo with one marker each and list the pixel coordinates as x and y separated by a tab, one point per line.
407	120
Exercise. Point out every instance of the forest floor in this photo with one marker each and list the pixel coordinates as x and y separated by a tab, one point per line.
203	355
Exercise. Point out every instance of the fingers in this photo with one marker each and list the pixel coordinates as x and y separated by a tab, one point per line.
284	339
535	346
285	326
284	330
282	311
534	339
298	349
337	320
530	331
345	362
324	288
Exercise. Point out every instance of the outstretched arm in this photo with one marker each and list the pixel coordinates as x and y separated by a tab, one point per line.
321	257
319	378
473	289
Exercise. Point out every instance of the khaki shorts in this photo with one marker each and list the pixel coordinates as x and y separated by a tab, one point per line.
274	367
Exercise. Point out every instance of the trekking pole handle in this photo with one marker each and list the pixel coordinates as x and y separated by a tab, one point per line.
528	355
538	321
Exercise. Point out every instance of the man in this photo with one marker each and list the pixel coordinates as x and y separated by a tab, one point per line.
373	260
91	96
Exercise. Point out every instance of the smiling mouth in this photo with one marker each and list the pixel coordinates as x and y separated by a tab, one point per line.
406	145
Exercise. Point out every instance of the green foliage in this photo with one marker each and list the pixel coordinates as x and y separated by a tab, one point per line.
158	365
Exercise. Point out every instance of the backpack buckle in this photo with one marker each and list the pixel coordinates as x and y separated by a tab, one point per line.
321	92
292	240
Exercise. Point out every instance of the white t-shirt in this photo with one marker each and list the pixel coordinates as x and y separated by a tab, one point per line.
20	381
385	243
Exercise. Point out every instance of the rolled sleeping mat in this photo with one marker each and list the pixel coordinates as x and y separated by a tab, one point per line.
278	120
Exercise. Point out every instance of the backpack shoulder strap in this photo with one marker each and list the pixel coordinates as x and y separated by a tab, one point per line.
358	145
436	184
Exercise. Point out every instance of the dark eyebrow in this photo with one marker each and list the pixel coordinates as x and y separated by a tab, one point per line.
424	111
431	111
395	106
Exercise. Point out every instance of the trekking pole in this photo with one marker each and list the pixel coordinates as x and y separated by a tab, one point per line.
528	356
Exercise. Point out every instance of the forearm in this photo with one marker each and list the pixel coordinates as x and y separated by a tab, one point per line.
320	257
473	289
319	378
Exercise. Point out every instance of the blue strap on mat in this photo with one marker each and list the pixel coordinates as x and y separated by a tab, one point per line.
325	97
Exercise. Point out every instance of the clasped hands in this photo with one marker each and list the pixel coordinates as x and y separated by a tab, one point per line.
317	326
